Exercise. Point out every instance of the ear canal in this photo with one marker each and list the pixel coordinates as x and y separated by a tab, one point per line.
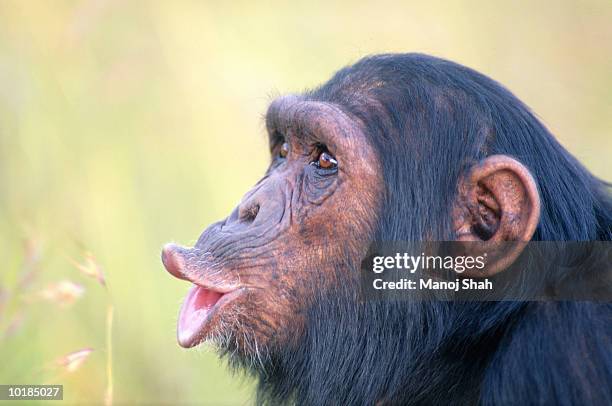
488	215
498	204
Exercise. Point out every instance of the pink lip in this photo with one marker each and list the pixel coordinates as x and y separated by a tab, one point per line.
197	311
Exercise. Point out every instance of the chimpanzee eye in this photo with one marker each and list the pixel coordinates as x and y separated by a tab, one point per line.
325	160
284	150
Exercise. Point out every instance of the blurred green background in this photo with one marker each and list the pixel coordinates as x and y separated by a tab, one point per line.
124	125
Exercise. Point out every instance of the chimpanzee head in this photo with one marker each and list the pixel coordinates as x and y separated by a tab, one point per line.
393	148
254	272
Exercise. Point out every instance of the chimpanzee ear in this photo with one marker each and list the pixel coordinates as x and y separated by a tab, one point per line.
496	212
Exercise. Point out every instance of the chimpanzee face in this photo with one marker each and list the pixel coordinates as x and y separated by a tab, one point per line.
253	272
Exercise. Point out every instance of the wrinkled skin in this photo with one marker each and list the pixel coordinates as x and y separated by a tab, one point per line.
288	233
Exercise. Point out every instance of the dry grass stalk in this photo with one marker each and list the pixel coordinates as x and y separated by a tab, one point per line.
14	325
90	267
30	268
108	397
63	293
73	361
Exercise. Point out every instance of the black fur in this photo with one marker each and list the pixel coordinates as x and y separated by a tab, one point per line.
430	119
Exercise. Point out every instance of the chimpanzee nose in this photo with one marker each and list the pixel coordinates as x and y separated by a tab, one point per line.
260	207
174	260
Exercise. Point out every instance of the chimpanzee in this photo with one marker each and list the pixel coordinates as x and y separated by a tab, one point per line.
399	147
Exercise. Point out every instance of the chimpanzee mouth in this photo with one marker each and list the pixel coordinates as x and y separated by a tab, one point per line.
200	307
205	300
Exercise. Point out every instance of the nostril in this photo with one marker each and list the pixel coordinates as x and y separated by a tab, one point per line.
249	214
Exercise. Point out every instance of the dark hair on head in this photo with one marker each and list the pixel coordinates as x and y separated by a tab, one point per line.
429	120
